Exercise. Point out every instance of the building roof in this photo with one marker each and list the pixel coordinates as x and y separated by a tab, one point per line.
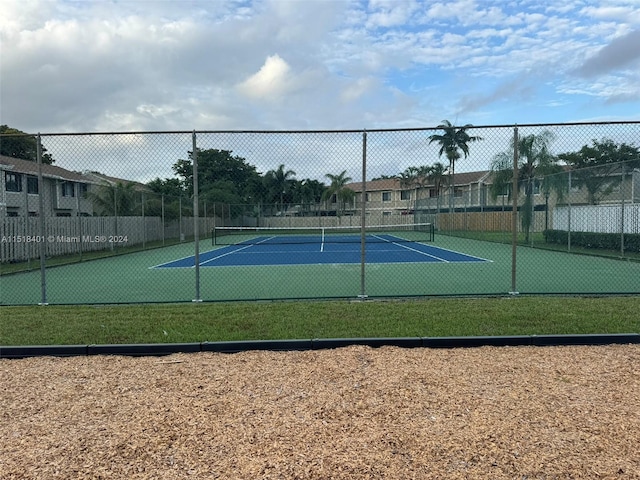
464	178
102	178
50	171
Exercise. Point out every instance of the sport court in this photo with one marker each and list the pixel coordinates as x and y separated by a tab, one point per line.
242	246
398	264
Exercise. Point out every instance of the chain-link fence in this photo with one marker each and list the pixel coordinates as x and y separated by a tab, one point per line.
217	216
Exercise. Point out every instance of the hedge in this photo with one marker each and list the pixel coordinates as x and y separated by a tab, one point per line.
604	241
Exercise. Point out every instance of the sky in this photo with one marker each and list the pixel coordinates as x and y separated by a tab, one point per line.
123	66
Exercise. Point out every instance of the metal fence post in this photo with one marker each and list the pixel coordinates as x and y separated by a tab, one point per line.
42	226
363	216
514	213
569	216
196	219
181	235
144	224
162	217
622	178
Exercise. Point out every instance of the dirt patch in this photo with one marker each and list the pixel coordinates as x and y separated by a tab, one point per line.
350	413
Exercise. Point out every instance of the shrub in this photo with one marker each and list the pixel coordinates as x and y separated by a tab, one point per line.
602	241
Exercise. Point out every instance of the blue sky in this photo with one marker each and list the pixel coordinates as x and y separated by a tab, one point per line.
307	64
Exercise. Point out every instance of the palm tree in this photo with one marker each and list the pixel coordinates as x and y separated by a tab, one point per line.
279	182
339	189
414	177
308	192
114	200
453	141
438	176
537	166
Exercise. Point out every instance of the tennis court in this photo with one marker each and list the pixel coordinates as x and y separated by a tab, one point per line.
464	267
242	246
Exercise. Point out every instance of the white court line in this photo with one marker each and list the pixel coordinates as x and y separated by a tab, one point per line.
223	255
234	251
440	248
412	249
465	254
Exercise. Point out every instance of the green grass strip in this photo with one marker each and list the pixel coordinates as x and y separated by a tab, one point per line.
177	323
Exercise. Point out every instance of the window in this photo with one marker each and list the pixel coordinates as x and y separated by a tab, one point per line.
63	214
386	196
457	192
13	182
68	189
84	188
433	193
32	184
386	214
12	213
405	195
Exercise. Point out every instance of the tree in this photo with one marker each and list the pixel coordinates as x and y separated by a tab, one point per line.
438	175
222	177
338	187
279	183
17	144
414	177
114	200
166	200
223	192
384	177
537	168
453	141
171	187
597	167
306	191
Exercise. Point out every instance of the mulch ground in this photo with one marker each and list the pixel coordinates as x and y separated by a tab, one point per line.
349	413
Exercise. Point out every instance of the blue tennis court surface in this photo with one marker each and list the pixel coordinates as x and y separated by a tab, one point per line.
382	249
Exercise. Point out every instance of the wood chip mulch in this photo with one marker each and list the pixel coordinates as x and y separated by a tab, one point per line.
349	413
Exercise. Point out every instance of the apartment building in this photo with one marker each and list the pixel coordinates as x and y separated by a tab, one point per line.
63	191
392	197
472	193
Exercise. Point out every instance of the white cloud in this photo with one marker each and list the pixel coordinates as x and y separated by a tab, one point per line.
389	13
270	82
622	13
355	90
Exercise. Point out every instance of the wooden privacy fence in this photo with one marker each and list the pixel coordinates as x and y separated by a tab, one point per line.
487	221
372	218
20	238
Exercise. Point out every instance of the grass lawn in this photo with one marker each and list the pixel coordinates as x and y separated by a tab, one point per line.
177	323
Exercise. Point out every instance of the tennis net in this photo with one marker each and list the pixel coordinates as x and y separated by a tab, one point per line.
413	232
